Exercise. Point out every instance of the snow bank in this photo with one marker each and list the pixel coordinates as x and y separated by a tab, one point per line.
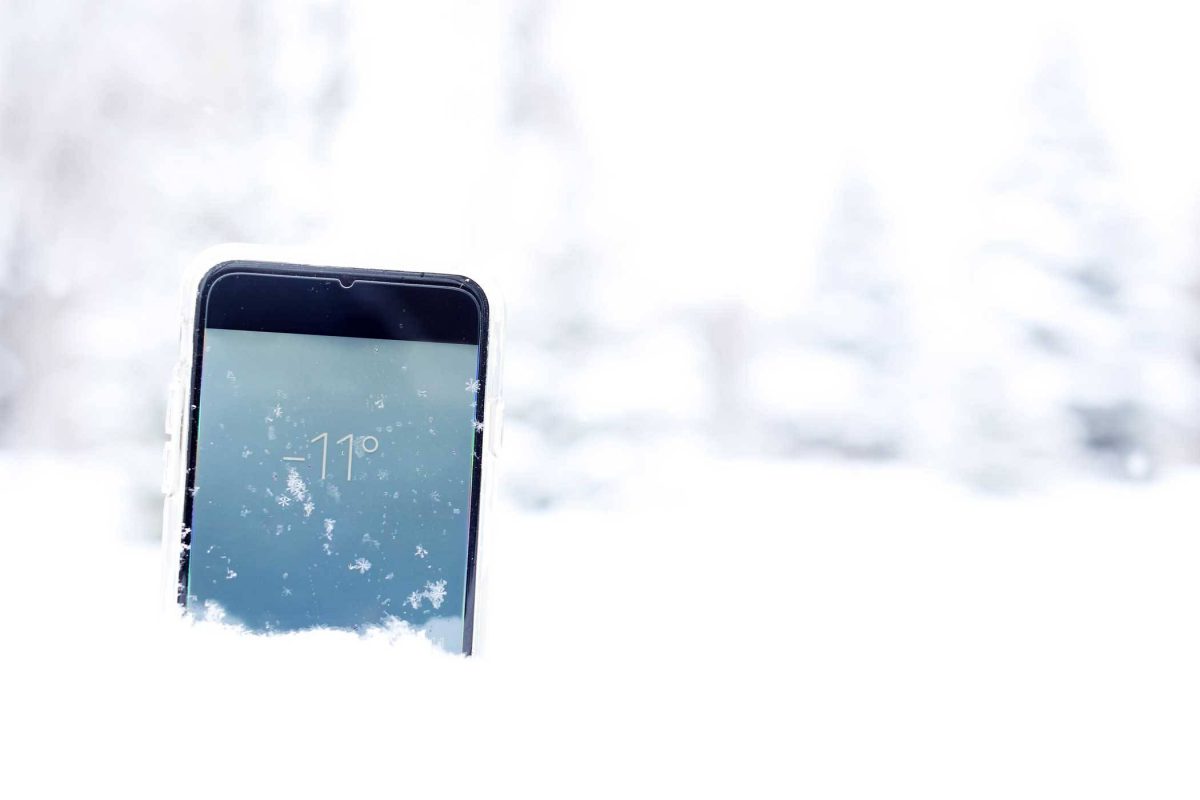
727	629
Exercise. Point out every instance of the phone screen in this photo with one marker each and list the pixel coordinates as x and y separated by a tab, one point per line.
335	475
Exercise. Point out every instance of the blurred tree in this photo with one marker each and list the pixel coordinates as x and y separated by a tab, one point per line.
554	324
854	343
132	136
1065	342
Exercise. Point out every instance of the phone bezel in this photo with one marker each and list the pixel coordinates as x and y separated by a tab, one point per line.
415	291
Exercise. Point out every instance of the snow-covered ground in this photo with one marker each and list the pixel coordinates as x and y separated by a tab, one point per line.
725	629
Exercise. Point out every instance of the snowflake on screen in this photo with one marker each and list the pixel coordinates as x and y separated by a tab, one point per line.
329	523
435	496
283	500
477	425
473	385
434	592
296	486
277	411
360	565
421	552
309	507
229	574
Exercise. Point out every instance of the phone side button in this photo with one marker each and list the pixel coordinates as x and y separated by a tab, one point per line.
174	396
496	428
168	467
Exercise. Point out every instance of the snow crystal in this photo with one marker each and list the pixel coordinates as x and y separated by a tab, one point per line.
329	523
473	385
477	425
421	552
283	500
434	592
361	565
295	484
229	574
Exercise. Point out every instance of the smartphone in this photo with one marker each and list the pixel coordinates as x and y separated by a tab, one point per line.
329	436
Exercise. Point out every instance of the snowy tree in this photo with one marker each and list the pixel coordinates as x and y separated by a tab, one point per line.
129	140
555	323
1064	342
850	344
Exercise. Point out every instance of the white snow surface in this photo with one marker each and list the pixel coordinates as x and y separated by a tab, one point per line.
729	629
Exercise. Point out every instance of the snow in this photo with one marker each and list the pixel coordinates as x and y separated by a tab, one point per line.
794	629
912	263
433	591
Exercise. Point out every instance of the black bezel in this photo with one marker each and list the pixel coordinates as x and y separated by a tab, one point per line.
335	301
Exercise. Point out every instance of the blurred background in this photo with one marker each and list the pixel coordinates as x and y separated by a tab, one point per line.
767	232
809	306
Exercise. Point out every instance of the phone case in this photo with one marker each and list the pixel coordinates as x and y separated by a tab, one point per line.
179	392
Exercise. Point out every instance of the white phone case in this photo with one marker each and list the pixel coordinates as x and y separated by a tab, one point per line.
179	392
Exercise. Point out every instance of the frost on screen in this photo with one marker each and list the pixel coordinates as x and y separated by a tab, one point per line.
335	473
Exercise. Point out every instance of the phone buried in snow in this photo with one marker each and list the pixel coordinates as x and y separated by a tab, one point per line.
330	455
